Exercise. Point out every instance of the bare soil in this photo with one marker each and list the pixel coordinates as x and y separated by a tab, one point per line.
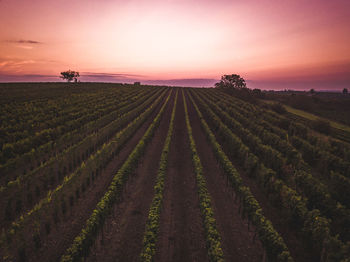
298	251
61	236
123	234
181	234
28	187
237	240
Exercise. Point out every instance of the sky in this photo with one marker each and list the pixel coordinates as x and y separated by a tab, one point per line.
272	44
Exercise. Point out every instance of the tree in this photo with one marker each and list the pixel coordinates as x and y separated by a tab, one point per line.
312	91
231	82
345	91
70	75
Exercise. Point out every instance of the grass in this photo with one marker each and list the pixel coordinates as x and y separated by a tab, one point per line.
310	116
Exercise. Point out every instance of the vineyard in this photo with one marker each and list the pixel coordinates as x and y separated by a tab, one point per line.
118	172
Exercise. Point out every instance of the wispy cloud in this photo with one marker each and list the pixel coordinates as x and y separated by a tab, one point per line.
14	65
4	77
21	41
24	47
24	44
111	75
193	82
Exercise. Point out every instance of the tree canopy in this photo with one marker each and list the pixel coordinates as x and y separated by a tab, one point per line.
70	75
231	82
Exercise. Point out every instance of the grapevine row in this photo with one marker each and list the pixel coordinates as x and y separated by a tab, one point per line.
315	227
317	193
39	180
213	238
82	243
73	185
314	149
272	242
76	131
278	138
42	137
152	224
37	115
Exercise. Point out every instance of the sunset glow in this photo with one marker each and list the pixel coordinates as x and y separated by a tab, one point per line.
267	41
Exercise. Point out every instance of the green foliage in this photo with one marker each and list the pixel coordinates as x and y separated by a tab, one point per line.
272	242
82	243
70	75
132	119
278	108
231	82
296	206
322	126
8	151
330	105
63	139
152	224
215	252
317	226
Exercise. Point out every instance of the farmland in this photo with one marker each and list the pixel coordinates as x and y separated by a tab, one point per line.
117	172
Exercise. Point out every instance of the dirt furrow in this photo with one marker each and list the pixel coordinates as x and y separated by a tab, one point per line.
181	232
62	235
124	229
237	239
298	251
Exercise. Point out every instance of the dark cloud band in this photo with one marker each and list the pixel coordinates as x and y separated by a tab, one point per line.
21	41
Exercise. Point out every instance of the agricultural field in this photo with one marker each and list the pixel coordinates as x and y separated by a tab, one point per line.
118	172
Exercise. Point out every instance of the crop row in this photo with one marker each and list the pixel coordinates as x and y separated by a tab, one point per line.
31	186
85	113
75	140
280	139
40	114
314	227
47	212
294	175
213	238
20	120
333	155
152	224
68	133
82	243
316	194
273	243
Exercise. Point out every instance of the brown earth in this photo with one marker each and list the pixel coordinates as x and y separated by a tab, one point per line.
123	234
181	233
28	205
298	251
64	233
237	240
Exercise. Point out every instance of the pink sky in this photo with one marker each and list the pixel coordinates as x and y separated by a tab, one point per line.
267	41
